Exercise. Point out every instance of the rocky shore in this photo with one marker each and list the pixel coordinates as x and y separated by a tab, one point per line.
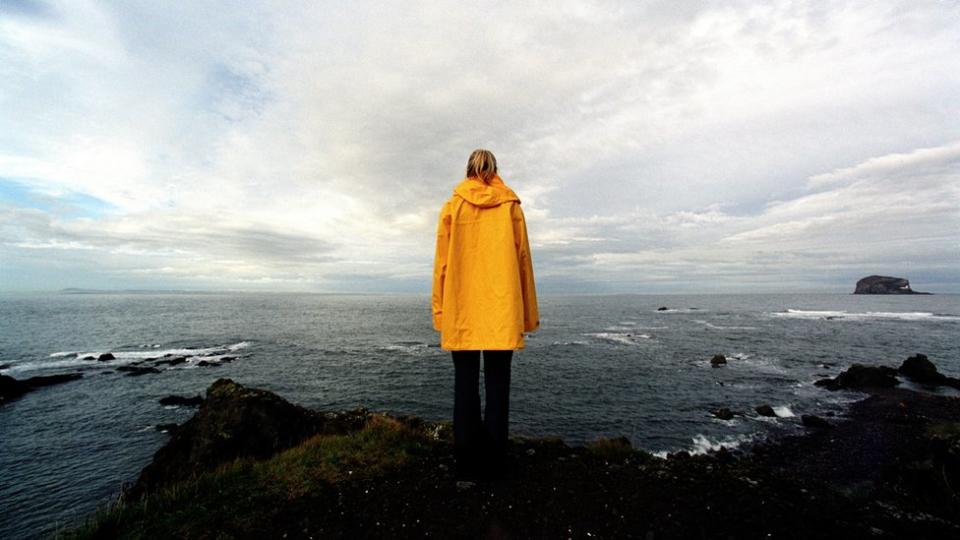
249	464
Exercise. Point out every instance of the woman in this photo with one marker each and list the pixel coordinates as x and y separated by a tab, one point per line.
484	299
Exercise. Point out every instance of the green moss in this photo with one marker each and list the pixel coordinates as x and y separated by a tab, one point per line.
240	498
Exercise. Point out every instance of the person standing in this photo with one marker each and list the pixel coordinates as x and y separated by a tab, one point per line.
483	300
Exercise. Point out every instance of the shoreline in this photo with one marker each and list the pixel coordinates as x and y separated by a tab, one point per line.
889	470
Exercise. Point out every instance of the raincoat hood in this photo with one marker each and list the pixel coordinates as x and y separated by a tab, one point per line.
478	193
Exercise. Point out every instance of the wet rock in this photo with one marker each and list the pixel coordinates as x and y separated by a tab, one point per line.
89	357
169	428
718	360
11	388
106	356
171	361
920	369
193	401
859	376
813	421
236	421
5	366
47	380
662	308
765	410
133	371
723	413
228	358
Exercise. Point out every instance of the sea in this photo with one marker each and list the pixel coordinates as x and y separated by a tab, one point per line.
599	366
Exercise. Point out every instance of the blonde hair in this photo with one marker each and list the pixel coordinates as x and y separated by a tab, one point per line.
482	164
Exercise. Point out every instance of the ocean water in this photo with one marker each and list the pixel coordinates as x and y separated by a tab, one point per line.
599	366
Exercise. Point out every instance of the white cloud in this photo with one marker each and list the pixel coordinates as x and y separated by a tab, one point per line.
308	146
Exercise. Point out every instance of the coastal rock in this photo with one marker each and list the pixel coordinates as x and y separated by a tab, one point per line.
106	356
884	285
5	366
235	421
859	376
891	467
89	357
133	371
172	361
168	428
813	421
182	400
662	308
765	410
920	369
204	363
11	388
723	413
718	360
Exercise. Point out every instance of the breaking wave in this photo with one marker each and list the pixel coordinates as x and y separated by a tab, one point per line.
866	315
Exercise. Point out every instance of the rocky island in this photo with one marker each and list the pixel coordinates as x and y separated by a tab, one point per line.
249	464
884	285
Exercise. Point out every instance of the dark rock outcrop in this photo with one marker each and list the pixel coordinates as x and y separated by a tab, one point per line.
172	361
662	308
813	421
182	400
723	413
5	366
884	285
859	376
106	356
166	428
920	369
11	388
718	360
133	371
765	410
235	421
888	471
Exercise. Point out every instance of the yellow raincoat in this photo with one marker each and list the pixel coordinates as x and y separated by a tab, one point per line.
484	296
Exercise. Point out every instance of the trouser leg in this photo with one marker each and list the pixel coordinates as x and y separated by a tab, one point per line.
467	424
496	376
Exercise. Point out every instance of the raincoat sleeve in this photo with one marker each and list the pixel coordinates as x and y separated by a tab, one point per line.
531	314
440	265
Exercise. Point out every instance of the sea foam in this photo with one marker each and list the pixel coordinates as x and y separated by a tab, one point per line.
866	315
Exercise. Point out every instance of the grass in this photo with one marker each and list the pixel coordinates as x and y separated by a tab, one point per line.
241	498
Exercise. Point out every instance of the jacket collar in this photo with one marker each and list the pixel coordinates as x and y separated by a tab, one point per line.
478	193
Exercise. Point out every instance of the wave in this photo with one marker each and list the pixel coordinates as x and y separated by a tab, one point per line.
619	337
73	359
783	412
701	444
680	310
718	327
417	348
866	315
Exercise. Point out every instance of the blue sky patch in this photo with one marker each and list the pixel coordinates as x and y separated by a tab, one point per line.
70	204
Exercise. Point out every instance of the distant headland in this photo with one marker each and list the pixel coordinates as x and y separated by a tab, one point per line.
884	285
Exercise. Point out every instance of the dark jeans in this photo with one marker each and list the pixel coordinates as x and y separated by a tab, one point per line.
477	441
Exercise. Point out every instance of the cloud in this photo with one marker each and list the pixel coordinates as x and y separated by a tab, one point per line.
312	147
892	164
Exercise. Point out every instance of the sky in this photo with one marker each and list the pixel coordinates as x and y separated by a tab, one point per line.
657	147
